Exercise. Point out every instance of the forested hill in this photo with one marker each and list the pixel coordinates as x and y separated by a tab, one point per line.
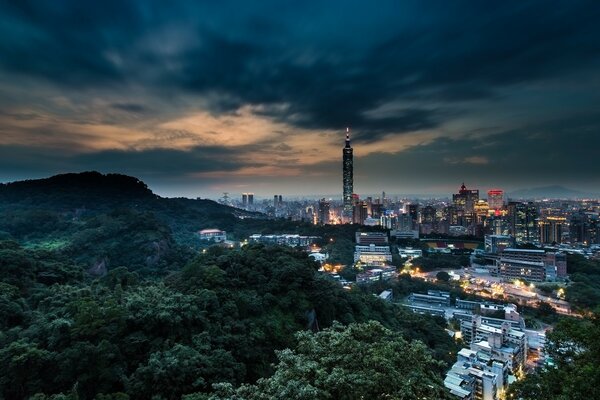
110	220
86	189
208	330
93	191
103	297
110	217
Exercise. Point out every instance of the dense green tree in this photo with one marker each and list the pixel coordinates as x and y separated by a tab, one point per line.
574	350
360	361
442	276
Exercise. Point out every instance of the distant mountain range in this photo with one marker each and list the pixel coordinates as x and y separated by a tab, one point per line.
552	191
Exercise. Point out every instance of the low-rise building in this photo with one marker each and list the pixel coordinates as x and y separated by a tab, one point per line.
409	252
433	297
531	265
368	238
292	240
376	274
373	255
216	235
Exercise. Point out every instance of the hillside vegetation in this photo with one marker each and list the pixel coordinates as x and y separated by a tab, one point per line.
102	296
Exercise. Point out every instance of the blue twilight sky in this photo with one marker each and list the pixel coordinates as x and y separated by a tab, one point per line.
201	97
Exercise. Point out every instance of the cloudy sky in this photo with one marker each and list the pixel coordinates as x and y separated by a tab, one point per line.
197	98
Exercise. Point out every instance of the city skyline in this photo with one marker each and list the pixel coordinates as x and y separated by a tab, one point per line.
200	99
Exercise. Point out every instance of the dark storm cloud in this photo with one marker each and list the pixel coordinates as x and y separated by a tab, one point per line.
130	107
389	68
147	163
511	159
450	50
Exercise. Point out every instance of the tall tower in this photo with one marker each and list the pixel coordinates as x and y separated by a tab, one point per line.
348	176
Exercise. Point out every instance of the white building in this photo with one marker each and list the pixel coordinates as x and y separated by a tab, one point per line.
213	234
373	254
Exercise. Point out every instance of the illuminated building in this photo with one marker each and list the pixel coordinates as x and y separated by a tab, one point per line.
496	199
481	209
348	177
552	228
213	234
522	218
501	339
372	255
464	206
388	220
531	265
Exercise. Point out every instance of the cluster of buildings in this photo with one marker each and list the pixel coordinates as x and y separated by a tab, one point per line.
498	348
218	236
570	225
497	353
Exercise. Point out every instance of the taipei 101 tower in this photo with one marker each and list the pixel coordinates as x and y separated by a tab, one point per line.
348	177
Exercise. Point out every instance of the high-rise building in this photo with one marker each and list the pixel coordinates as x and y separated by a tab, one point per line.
244	199
360	212
428	215
523	221
584	228
464	206
250	199
495	199
413	210
323	211
348	175
552	228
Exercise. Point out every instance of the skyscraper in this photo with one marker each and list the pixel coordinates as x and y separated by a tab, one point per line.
464	206
348	176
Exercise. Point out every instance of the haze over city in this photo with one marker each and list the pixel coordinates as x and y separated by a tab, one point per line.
198	99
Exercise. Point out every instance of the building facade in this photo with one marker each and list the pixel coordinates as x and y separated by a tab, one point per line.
348	176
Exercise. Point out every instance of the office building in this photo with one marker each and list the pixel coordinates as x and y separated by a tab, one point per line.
584	228
552	229
531	265
464	206
360	212
523	221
